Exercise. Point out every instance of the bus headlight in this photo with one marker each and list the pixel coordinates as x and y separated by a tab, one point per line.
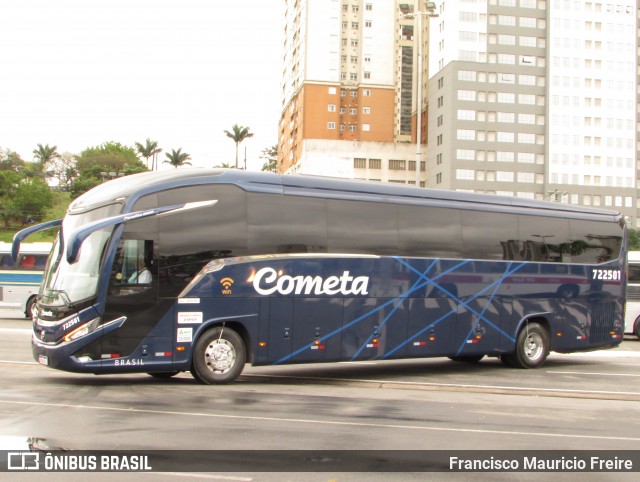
82	330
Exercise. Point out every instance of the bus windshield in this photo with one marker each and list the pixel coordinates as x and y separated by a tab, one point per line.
65	283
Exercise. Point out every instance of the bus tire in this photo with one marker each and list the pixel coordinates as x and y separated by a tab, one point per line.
467	358
532	347
218	357
636	327
28	312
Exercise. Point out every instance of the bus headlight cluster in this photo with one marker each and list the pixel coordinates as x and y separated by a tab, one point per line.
82	330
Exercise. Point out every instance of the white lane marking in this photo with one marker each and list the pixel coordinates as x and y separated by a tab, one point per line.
13	362
319	422
451	385
25	331
595	373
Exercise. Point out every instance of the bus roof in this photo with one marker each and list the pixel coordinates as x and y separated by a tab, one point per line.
129	188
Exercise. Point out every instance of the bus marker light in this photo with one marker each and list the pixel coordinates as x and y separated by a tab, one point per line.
559	334
179	348
262	344
432	338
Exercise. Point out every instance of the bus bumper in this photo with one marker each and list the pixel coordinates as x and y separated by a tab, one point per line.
61	356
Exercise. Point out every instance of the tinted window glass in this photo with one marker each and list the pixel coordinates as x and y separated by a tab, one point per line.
286	224
430	232
544	239
594	242
362	227
221	228
634	273
5	261
484	234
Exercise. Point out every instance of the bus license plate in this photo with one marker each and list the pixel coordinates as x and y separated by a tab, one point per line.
43	360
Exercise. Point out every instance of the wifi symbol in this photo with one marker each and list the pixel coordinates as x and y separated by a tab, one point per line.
226	284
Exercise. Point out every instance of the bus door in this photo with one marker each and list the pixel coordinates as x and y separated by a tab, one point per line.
133	293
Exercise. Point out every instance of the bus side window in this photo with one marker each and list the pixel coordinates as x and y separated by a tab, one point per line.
28	261
6	262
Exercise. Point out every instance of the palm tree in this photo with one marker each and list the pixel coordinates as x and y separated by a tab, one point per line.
178	158
223	165
149	150
239	134
45	154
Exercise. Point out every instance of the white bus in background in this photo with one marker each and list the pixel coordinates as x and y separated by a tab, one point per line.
632	313
20	280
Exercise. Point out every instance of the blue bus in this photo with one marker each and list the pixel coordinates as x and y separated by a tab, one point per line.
20	278
206	270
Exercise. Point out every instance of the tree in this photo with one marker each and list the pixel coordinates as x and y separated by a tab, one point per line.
149	151
45	154
62	168
32	199
270	154
634	238
177	158
238	134
110	157
223	165
11	161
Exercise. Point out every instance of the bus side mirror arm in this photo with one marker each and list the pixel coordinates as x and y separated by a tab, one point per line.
78	235
26	232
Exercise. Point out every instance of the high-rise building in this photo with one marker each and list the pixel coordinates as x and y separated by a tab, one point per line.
535	99
348	93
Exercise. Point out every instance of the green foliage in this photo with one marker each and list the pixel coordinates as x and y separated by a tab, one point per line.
634	239
177	158
270	154
149	150
238	134
95	165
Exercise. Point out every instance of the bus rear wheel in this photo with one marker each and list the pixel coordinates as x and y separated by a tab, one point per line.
219	356
532	347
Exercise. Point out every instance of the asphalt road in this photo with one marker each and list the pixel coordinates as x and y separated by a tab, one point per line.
588	401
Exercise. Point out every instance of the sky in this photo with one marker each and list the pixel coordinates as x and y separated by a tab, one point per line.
78	73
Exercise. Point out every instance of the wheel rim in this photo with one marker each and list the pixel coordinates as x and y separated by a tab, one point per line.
220	356
533	347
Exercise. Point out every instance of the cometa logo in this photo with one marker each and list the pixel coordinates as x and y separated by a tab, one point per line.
267	281
226	283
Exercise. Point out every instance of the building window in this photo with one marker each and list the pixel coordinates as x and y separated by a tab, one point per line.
465	174
366	127
366	93
332	90
353	110
352	128
366	110
367	75
375	163
353	93
360	163
331	107
331	125
397	165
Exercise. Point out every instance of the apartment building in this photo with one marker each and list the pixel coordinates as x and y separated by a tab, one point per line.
535	99
348	90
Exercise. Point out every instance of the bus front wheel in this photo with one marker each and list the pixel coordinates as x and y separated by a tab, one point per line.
28	312
218	357
532	347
